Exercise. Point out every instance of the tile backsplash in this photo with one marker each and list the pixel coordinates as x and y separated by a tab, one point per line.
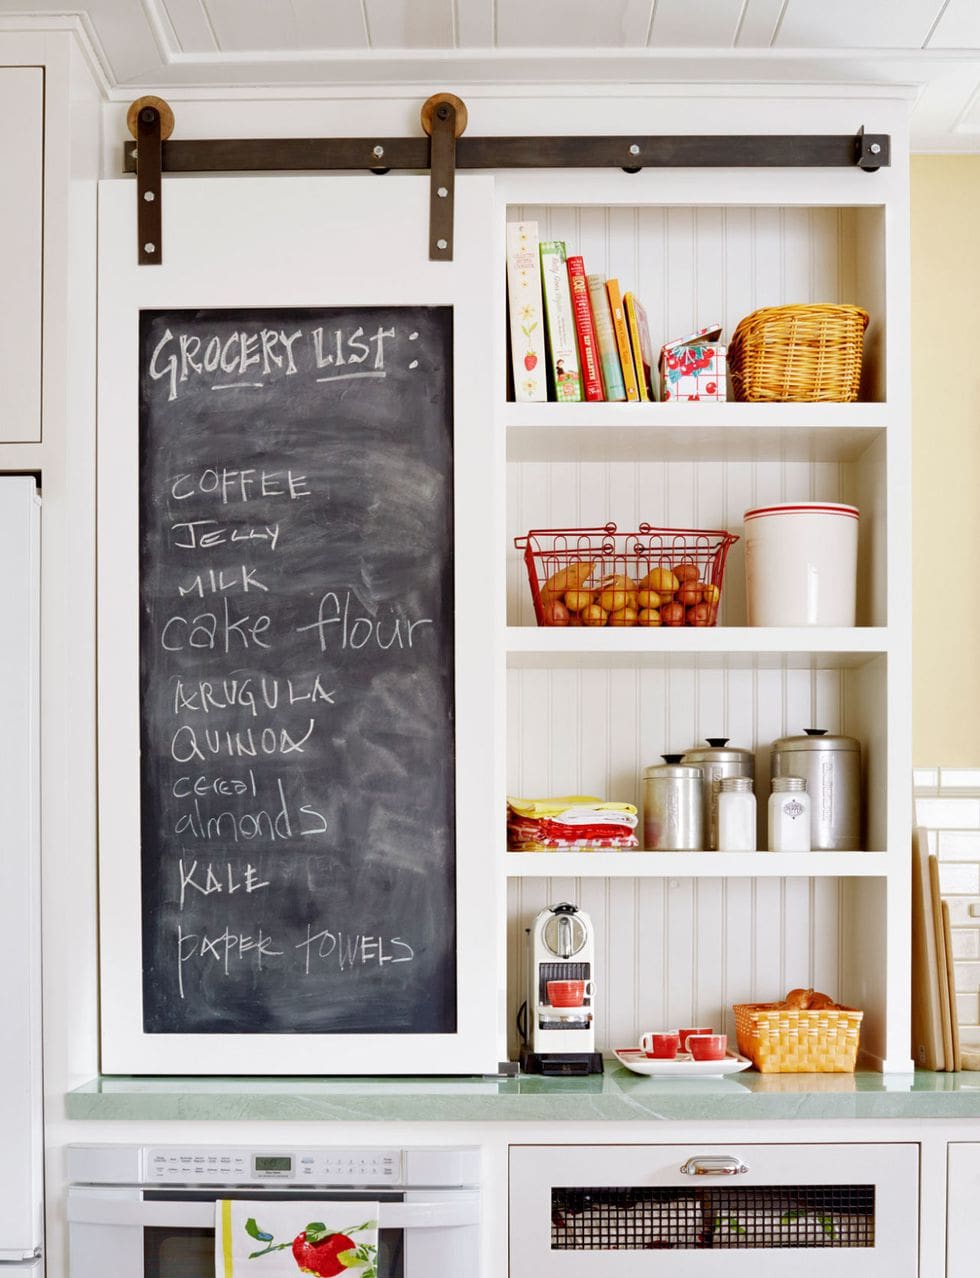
947	806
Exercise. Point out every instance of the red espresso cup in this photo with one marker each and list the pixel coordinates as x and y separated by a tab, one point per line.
662	1045
569	993
686	1034
707	1047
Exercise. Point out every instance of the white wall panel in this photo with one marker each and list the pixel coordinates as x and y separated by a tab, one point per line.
572	23
593	731
695	266
22	160
474	23
709	23
251	25
673	494
758	23
841	24
191	25
408	24
674	952
958	27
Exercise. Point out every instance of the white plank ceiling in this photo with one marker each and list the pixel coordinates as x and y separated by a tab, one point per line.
934	44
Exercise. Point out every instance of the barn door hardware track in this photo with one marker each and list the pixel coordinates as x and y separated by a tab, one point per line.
444	150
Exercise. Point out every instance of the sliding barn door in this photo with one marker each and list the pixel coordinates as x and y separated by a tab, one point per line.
296	631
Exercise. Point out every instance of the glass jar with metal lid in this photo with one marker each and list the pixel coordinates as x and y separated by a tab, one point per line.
672	807
831	766
716	761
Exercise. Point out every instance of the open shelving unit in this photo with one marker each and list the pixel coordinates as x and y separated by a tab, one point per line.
682	935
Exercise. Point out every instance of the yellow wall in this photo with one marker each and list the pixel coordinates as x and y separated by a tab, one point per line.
946	459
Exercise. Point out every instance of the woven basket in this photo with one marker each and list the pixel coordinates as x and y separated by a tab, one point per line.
798	354
791	1041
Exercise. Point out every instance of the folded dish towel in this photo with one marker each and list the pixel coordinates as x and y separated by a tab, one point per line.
280	1239
794	1227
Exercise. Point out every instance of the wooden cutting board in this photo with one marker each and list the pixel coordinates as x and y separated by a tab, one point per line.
937	922
927	1024
951	982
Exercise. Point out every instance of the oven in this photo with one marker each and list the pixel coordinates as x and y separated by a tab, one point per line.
147	1211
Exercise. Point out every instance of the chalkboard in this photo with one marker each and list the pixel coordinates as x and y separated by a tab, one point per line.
296	671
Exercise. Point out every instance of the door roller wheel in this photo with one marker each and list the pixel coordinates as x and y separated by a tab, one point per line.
431	105
166	115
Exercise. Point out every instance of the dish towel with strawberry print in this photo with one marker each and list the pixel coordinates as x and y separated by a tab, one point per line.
284	1239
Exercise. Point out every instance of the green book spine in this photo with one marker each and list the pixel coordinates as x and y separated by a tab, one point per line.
563	365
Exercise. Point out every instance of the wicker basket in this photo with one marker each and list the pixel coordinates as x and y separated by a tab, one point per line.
798	354
791	1041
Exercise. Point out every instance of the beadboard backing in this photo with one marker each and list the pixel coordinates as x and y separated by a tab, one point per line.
682	950
692	266
692	494
673	952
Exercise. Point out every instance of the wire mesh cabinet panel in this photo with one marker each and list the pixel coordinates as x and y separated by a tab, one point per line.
823	1210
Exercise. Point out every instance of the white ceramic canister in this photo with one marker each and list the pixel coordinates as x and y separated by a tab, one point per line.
801	564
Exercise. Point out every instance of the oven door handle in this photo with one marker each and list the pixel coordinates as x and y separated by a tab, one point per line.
88	1209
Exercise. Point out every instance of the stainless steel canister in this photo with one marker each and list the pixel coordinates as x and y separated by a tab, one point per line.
831	766
672	807
716	761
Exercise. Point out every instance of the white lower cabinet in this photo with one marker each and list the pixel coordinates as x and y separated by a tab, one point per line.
823	1210
21	161
962	1197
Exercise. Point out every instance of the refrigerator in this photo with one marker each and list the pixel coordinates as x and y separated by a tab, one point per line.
21	1138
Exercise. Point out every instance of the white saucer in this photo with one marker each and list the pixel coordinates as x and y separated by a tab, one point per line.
682	1066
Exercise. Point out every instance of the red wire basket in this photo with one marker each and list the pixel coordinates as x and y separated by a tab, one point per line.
602	577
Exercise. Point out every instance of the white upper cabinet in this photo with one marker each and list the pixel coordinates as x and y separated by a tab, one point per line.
21	162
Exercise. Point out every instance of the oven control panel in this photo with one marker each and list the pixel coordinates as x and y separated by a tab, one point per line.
176	1164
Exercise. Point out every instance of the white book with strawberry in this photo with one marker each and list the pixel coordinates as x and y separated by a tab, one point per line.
527	338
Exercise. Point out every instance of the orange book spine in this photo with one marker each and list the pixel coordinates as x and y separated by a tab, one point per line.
622	339
588	344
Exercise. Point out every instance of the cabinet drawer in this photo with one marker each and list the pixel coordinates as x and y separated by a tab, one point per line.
21	151
962	1196
826	1209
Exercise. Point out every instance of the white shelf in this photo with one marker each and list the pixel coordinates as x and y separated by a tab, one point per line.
576	865
698	431
832	648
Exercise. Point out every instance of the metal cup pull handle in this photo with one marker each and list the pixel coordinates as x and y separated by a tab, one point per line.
714	1165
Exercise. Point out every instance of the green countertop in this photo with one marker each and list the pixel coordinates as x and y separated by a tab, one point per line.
615	1096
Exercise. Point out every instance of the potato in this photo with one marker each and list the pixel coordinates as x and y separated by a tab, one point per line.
648	617
613	598
689	593
699	615
686	572
661	580
576	600
554	612
672	614
710	594
623	617
648	599
570	578
593	614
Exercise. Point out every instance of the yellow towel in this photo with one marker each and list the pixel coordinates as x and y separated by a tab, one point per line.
552	807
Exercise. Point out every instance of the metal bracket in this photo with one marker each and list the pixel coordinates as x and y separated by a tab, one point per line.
873	150
149	166
444	119
150	121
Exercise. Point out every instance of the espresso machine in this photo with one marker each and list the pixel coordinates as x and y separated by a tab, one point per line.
559	1040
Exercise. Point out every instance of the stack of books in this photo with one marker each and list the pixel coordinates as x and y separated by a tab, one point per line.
573	336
